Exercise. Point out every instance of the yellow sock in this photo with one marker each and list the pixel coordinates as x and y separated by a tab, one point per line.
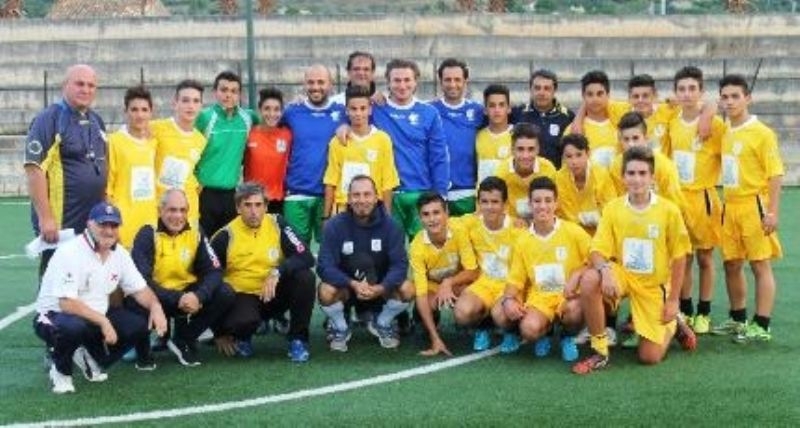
600	344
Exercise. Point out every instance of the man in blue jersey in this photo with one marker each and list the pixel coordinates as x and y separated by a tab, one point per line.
461	120
65	159
225	125
313	123
420	149
547	113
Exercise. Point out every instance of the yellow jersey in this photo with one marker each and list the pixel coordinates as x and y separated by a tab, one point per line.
251	255
584	206
432	263
665	179
644	242
544	264
750	158
517	203
177	153
493	248
370	155
491	150
698	162
131	182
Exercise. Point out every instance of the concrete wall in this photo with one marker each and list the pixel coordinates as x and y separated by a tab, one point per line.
499	48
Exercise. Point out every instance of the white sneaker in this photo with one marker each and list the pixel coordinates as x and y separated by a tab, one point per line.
62	383
611	334
88	366
583	337
206	336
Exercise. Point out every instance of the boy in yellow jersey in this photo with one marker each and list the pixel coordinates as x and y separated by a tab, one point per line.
633	133
131	173
492	235
524	165
548	262
594	120
269	268
493	143
639	251
584	188
752	172
179	146
699	163
179	265
368	152
442	264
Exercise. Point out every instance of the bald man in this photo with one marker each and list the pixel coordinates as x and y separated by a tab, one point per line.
313	123
65	159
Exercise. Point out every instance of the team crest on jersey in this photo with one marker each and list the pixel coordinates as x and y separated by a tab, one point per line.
335	116
561	253
194	154
737	148
503	151
652	231
185	256
273	254
377	245
372	155
34	147
554	129
470	113
659	130
503	251
696	144
280	145
347	248
413	119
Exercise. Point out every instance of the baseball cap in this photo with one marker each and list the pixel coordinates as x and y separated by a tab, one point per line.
104	212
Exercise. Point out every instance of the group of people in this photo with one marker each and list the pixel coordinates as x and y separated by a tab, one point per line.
534	220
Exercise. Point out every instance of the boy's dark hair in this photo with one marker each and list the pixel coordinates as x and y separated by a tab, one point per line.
190	84
356	91
642	80
632	119
138	93
595	76
492	183
497	89
270	93
639	153
575	140
542	182
430	197
735	80
229	76
689	72
524	130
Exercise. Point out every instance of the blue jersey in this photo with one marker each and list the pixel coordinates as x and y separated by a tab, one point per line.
420	150
71	149
461	124
312	130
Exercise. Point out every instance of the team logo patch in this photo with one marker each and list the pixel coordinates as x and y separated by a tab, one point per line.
554	129
372	155
413	119
280	145
347	248
503	152
470	115
34	147
652	231
737	148
561	253
194	154
377	245
273	254
335	116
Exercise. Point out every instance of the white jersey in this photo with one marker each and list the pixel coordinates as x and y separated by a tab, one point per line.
76	272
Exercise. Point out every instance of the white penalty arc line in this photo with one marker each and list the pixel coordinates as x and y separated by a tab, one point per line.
21	312
269	399
13	256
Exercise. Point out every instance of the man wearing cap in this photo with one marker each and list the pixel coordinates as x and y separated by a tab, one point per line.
74	317
180	267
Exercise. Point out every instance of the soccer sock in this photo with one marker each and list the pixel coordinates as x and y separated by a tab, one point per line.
704	307
762	322
600	344
611	321
335	313
738	315
686	307
389	311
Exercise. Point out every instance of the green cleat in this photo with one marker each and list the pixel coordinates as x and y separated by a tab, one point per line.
728	327
631	342
701	324
753	333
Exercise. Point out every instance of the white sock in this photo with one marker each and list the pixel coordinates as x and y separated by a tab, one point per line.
390	310
335	313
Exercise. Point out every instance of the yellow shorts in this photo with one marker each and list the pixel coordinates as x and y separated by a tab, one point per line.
647	305
742	235
703	217
550	304
488	290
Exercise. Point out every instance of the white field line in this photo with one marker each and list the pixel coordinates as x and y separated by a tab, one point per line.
268	399
21	312
12	256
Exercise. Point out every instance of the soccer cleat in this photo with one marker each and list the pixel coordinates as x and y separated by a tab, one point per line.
631	342
541	348
386	335
569	351
583	336
88	366
510	343
263	328
685	336
753	333
589	364
298	352
611	334
186	354
130	356
62	383
145	363
728	327
206	336
244	348
338	339
701	324
688	319
482	341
